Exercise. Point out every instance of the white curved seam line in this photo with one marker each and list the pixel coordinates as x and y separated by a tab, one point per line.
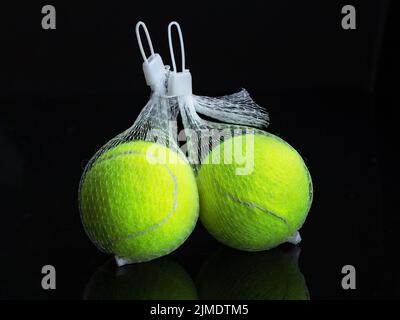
255	205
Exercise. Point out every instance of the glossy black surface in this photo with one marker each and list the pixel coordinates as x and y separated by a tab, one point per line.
329	93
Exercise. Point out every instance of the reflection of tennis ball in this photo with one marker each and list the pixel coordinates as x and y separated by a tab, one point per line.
271	275
160	279
139	201
265	205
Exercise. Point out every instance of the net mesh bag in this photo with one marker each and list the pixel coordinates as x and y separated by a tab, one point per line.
138	197
235	113
255	189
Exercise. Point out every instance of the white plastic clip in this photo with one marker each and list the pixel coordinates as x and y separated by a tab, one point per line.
179	83
295	238
153	66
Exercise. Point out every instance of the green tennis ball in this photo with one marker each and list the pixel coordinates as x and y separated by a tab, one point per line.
236	275
255	192
139	201
160	279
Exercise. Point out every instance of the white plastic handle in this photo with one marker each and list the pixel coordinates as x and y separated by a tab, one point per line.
139	39
171	48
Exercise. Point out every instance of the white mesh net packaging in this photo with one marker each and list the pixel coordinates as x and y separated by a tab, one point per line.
138	196
255	189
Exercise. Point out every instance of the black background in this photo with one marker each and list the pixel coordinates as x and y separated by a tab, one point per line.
330	93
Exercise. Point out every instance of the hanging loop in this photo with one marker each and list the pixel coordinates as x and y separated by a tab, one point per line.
171	48
139	39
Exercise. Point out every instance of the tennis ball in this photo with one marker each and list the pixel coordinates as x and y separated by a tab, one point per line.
160	279
255	192
236	275
139	201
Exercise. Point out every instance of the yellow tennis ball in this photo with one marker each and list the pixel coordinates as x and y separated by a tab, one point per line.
255	192
139	201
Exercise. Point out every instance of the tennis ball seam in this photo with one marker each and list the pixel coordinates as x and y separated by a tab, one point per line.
256	206
251	204
175	191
